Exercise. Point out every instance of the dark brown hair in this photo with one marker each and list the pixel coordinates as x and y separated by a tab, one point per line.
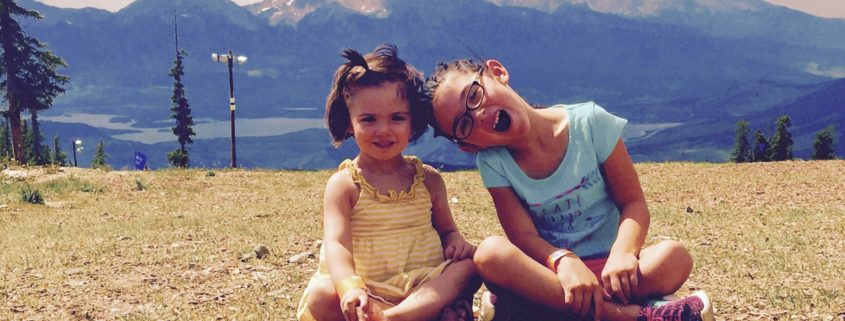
380	66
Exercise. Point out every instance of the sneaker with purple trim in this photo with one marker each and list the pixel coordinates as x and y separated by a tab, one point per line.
695	307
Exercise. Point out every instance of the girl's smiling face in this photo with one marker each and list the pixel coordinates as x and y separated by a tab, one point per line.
479	108
380	120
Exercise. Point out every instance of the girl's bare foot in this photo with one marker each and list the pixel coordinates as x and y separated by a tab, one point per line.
461	310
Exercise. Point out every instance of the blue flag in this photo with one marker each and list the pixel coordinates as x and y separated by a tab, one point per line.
140	161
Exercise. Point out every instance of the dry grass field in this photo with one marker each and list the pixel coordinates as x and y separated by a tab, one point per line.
767	238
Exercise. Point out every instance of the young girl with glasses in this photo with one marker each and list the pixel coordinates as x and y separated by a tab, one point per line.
568	198
391	250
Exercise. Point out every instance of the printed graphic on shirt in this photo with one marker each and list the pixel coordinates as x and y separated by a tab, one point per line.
568	212
586	182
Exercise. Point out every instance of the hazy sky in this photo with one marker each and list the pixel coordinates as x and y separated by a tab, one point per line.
111	5
822	8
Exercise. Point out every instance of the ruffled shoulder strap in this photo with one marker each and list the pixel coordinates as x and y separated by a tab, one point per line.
344	165
419	176
351	167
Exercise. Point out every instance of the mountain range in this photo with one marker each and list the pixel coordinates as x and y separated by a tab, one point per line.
682	71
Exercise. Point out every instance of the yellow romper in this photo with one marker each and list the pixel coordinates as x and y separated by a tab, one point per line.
394	244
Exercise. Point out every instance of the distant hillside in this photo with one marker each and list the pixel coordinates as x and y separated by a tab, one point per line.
722	18
120	61
711	140
677	65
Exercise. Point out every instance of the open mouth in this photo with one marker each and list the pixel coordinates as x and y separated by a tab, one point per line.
503	121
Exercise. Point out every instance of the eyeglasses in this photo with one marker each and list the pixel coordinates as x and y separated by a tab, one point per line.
462	126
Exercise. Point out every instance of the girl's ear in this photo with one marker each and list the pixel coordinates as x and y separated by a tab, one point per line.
498	71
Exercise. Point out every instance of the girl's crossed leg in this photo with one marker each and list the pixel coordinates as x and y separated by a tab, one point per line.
663	269
457	281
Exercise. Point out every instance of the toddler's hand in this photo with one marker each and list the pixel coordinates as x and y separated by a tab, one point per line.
353	303
459	250
619	276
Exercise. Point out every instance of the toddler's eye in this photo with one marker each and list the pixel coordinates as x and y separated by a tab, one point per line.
399	118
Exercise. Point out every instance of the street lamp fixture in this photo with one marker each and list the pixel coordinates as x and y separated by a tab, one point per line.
77	147
229	60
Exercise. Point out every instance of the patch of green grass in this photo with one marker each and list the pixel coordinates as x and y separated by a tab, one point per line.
65	184
139	185
7	186
90	188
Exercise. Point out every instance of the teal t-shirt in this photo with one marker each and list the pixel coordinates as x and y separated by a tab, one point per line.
572	208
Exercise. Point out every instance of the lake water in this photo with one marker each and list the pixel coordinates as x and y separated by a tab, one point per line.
205	128
254	127
634	132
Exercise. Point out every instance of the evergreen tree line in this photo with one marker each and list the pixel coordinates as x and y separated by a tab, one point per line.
35	152
38	154
779	146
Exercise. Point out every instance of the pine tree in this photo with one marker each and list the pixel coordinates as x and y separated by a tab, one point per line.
761	148
39	154
180	107
780	148
33	156
5	142
823	147
742	148
100	157
59	157
181	113
29	69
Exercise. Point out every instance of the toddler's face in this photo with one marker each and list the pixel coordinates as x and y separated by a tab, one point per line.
380	120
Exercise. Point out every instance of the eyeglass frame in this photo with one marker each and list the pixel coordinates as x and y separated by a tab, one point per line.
467	109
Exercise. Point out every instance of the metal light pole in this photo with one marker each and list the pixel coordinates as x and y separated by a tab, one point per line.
76	142
229	59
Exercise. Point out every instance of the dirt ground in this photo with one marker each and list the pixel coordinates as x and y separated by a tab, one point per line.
180	245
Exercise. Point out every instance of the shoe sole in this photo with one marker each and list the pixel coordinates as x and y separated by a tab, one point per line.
707	311
487	310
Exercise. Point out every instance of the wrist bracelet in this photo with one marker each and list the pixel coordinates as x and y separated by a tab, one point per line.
552	259
352	282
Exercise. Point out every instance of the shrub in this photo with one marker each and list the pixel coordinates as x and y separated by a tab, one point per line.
139	185
31	195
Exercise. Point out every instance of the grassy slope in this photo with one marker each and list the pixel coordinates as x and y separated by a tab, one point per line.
767	239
